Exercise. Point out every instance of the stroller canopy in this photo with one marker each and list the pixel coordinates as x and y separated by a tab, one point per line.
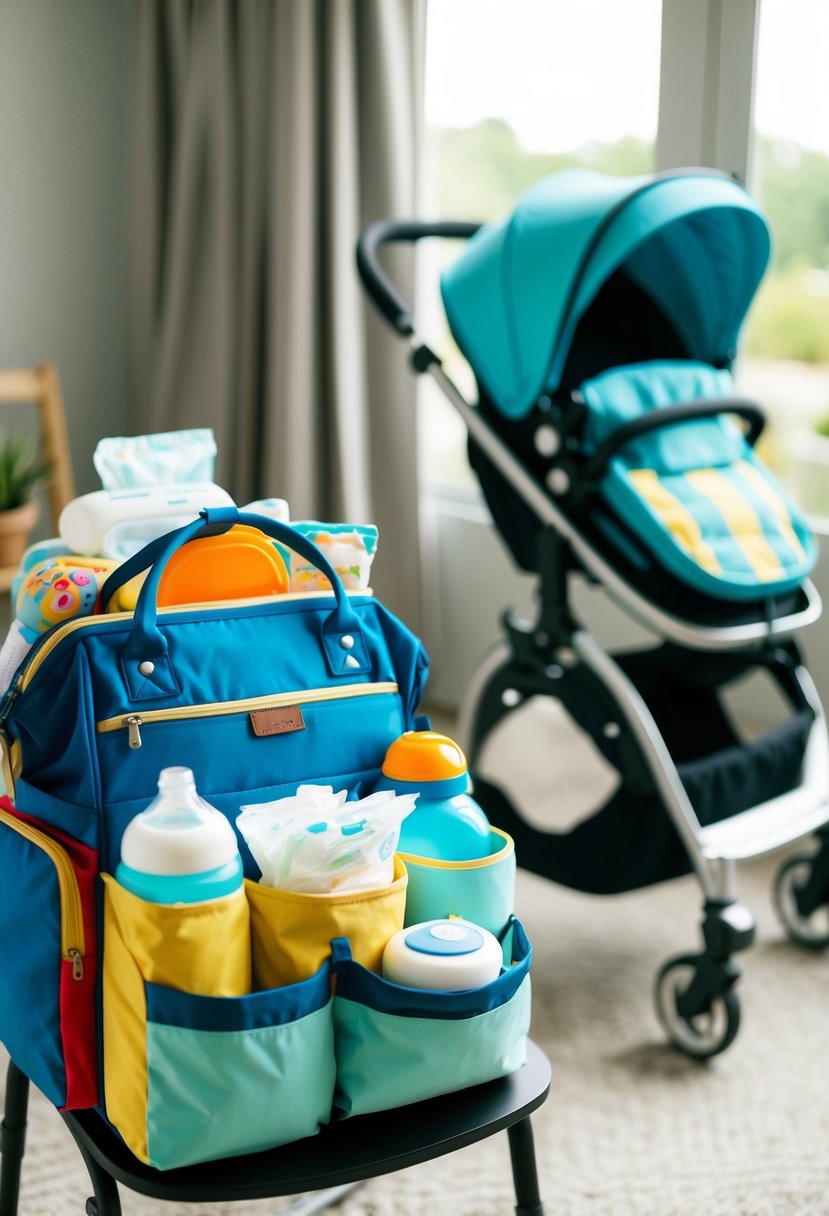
695	243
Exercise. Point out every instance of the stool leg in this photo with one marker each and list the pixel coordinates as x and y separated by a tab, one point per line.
524	1172
106	1201
13	1138
318	1201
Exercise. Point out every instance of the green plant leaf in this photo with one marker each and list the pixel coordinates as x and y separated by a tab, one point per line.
22	470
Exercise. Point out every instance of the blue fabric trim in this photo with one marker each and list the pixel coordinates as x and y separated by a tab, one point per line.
30	918
356	661
449	787
276	1007
78	821
355	983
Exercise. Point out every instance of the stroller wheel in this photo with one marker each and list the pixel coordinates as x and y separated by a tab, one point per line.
700	1034
804	923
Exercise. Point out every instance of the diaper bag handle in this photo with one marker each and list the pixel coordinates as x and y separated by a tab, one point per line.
144	657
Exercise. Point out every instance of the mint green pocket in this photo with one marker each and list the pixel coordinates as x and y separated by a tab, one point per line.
398	1045
481	891
231	1075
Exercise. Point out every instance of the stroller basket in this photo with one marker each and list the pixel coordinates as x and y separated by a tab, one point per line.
600	318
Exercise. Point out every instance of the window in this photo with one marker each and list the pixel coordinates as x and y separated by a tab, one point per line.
786	353
510	97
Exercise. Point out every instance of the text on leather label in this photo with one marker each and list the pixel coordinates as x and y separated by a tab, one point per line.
277	721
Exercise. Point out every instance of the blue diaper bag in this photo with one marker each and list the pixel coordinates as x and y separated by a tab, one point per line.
256	697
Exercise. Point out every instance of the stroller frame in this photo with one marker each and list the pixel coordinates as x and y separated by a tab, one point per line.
695	996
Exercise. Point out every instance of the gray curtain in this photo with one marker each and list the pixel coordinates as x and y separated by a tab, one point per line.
266	133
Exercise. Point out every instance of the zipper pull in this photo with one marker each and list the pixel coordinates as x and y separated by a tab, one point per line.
9	698
77	964
133	723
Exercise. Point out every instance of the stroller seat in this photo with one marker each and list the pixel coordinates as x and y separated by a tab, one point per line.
600	318
686	481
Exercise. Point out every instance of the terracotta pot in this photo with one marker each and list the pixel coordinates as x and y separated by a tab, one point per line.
15	527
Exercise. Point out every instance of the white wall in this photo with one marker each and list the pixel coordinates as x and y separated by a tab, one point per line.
64	106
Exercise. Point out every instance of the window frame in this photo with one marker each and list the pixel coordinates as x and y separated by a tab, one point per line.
706	98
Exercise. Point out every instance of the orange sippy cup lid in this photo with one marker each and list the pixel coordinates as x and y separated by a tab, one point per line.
424	755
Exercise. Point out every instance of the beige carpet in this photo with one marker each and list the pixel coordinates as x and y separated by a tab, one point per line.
630	1128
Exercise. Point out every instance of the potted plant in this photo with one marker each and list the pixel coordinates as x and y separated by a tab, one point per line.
22	471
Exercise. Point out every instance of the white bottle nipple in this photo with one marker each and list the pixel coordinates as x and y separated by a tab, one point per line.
176	778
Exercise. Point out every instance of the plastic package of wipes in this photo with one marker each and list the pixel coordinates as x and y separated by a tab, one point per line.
350	548
172	457
317	842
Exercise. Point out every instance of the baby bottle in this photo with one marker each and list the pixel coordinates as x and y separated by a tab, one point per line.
446	824
180	849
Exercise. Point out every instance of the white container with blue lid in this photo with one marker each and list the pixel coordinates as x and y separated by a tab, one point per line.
444	955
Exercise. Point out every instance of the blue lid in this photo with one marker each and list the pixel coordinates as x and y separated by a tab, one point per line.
446	937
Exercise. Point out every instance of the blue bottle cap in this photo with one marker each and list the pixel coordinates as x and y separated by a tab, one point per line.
444	937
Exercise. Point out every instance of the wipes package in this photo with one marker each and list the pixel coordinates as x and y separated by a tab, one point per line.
95	523
317	842
172	457
350	549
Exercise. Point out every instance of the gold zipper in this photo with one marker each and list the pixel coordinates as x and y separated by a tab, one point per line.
132	723
85	622
72	942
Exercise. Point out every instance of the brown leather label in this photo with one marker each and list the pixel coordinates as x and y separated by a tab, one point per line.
277	721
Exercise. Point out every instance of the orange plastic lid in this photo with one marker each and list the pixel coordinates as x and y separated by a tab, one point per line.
424	755
238	564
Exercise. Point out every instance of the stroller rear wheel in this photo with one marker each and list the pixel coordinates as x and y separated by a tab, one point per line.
698	1022
803	911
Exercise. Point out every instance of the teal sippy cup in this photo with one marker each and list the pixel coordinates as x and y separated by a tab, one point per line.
446	824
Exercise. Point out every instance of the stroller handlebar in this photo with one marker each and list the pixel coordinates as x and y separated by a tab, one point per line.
385	295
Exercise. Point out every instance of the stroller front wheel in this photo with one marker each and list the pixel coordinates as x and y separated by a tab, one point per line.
804	918
699	1022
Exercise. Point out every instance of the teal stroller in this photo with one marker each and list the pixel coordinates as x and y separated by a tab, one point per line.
600	319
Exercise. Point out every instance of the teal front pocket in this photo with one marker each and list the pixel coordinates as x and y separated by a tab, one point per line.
231	1075
398	1045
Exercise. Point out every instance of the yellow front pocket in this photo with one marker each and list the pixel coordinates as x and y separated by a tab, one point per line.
292	931
199	948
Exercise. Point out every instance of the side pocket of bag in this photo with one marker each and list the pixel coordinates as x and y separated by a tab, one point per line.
397	1045
196	1076
203	948
228	1076
292	931
47	982
481	891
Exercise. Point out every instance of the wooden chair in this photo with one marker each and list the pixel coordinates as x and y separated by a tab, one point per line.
342	1155
40	386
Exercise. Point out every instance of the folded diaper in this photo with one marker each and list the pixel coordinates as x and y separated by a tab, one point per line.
178	457
318	842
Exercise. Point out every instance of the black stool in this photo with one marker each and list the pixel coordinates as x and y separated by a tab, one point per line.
342	1155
